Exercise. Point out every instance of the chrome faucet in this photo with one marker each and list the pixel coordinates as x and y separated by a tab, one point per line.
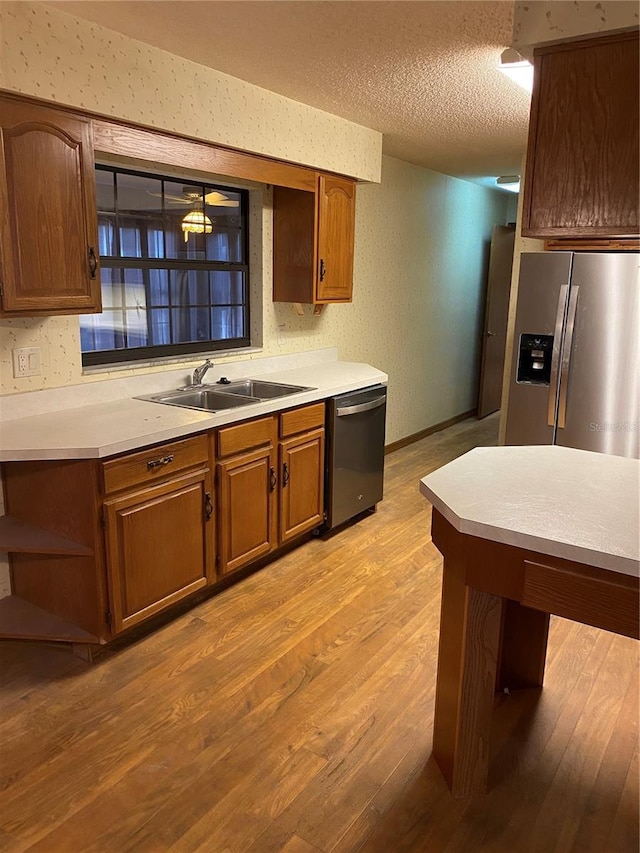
199	372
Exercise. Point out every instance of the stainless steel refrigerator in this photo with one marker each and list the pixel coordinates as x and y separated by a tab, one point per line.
575	377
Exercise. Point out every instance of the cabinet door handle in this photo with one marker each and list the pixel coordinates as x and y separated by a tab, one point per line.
208	506
93	262
285	474
323	269
273	480
159	463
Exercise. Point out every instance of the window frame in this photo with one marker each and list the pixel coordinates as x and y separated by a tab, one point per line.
133	355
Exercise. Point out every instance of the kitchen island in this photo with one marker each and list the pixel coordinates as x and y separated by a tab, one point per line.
525	532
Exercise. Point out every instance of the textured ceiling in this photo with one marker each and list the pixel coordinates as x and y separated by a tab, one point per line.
422	73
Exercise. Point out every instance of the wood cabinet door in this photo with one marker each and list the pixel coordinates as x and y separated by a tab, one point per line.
336	233
160	546
246	508
48	219
582	175
294	244
301	484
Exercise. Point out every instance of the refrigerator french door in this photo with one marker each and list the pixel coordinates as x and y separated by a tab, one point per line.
575	374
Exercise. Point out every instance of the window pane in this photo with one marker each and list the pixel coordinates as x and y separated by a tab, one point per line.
227	323
224	242
105	190
106	235
226	287
169	233
190	324
112	288
185	221
159	326
159	287
155	241
139	195
134	285
130	240
136	327
190	287
103	331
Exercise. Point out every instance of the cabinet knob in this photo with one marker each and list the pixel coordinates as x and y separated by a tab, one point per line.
273	480
285	474
323	269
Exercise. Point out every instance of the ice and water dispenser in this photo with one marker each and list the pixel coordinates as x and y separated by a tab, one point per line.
534	359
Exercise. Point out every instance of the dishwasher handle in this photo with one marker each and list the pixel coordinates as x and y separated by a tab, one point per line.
341	411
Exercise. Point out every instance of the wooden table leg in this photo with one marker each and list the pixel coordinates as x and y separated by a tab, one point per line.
523	648
470	630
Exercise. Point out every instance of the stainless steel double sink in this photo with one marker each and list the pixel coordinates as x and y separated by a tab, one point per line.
210	398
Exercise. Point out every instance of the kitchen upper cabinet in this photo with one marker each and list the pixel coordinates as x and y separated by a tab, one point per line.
48	225
336	233
582	175
313	242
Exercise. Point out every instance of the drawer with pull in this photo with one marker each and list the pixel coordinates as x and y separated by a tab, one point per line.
301	419
155	463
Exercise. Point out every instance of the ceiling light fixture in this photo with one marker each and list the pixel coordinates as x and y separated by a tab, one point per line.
509	182
196	222
515	66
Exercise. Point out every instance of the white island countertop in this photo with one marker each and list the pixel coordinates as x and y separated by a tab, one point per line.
104	429
567	503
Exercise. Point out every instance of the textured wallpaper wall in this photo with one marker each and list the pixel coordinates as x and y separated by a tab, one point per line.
420	236
50	54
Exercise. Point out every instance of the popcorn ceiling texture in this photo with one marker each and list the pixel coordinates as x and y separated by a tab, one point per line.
423	73
49	54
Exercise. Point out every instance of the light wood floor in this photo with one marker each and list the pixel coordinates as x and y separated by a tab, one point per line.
293	712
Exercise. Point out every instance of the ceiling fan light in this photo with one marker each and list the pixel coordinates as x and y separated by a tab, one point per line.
509	182
516	67
196	222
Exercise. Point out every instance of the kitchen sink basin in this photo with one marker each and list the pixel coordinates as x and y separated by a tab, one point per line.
210	398
263	390
206	399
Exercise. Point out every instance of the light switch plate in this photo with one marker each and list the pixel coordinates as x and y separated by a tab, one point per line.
26	361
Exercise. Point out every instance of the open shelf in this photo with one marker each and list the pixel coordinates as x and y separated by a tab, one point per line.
23	538
20	620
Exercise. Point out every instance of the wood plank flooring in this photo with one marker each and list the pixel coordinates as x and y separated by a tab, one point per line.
293	712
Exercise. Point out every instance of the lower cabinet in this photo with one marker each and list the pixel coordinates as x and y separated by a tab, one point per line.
111	543
302	484
246	508
159	546
268	497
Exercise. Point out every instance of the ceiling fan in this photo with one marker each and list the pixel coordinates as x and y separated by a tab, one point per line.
214	198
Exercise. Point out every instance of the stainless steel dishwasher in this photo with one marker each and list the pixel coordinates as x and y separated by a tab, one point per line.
355	470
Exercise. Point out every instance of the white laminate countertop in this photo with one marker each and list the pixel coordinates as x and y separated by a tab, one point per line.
567	503
104	429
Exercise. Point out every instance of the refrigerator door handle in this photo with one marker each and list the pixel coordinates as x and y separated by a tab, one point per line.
566	356
555	356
